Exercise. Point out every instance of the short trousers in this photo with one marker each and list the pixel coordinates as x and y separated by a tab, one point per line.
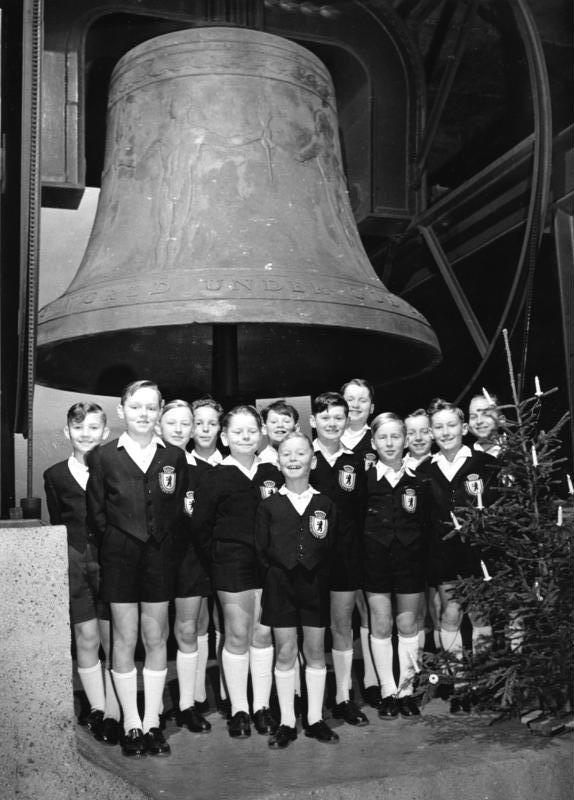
192	576
296	597
451	560
233	566
394	567
84	585
346	569
134	571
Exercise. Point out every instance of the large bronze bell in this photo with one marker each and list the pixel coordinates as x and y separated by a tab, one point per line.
224	208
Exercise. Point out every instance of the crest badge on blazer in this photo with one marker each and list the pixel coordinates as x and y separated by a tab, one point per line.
188	502
267	489
347	478
409	500
370	461
319	524
167	480
474	485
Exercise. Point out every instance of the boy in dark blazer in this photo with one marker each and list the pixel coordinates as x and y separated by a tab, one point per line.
65	488
294	533
136	508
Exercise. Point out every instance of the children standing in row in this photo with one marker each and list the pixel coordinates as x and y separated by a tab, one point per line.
65	487
339	473
193	584
395	550
458	476
135	506
294	532
223	522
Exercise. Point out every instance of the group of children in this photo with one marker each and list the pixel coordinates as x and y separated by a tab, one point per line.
290	538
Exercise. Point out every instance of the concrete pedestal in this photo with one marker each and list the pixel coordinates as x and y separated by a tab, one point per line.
39	758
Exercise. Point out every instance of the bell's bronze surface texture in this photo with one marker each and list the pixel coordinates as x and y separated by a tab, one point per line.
224	202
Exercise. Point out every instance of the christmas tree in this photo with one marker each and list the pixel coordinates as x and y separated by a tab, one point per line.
527	588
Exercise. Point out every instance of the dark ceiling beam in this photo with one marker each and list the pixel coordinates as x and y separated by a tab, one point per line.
445	87
460	298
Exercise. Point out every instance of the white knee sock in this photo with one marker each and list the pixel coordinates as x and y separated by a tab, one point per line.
370	677
298	675
93	685
315	681
186	665
202	654
382	650
421	636
451	642
285	684
481	638
219	656
261	667
436	638
236	668
342	665
112	709
408	650
154	682
126	684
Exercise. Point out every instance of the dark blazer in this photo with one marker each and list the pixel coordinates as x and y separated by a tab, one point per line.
366	451
120	496
226	503
286	538
400	512
345	484
66	501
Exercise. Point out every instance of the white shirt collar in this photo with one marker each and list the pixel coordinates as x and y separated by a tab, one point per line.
299	501
250	473
450	468
392	475
214	458
330	458
189	457
350	438
411	463
79	471
142	456
269	455
493	450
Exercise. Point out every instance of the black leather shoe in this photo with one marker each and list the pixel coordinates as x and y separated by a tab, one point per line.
94	722
202	706
350	714
111	731
322	732
372	696
133	743
264	721
156	744
238	726
408	706
460	702
282	738
389	708
195	721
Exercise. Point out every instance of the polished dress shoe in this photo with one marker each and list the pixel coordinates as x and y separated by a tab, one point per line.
408	706
265	722
283	736
322	732
156	744
388	708
133	743
238	726
94	722
350	713
194	720
372	696
111	731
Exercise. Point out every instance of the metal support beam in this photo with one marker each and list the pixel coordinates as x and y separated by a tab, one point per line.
564	241
460	299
